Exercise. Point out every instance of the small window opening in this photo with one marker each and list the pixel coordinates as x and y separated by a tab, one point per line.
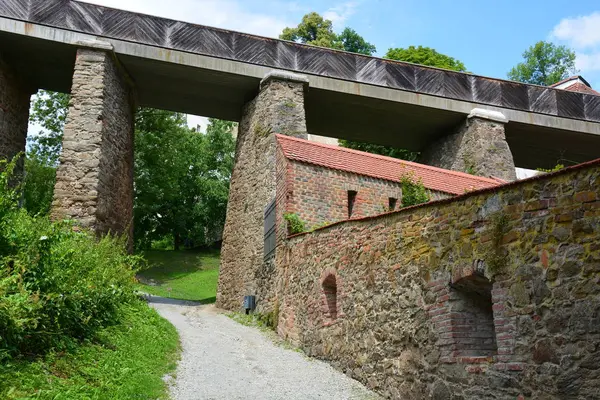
351	201
330	291
392	201
472	318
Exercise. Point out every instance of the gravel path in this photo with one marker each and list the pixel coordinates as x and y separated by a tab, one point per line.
223	359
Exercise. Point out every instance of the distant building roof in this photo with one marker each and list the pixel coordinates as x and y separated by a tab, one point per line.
575	84
376	166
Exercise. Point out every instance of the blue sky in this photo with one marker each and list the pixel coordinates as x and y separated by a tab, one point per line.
488	37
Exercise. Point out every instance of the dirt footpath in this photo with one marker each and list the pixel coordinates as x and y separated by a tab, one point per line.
225	360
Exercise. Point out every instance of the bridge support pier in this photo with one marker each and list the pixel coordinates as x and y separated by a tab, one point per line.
278	108
478	147
14	114
94	182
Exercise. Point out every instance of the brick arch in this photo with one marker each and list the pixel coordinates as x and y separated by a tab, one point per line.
330	286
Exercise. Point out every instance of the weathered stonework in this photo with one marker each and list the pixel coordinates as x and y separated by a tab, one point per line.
478	147
94	183
278	108
491	295
14	114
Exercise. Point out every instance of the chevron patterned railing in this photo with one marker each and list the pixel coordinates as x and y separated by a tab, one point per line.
279	54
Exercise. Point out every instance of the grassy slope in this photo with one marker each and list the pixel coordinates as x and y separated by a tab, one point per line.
126	361
185	275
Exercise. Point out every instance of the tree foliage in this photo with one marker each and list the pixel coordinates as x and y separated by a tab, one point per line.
181	179
314	30
317	31
425	56
544	64
181	175
402	154
354	43
49	110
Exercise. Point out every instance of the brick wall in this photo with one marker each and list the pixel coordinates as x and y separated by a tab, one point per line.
319	195
414	290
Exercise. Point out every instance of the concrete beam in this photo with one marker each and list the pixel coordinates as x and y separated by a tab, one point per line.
217	87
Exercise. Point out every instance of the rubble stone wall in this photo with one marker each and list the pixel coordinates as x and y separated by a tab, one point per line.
494	294
14	114
478	147
278	108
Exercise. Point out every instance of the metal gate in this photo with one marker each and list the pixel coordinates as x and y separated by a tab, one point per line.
270	230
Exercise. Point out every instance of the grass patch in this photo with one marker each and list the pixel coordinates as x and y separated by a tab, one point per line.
125	361
185	274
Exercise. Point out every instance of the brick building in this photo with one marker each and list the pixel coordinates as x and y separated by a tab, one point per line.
326	183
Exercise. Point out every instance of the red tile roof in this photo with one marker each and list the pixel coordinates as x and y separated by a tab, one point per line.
381	167
579	85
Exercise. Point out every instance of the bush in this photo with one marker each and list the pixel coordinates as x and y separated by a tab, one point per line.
57	284
413	191
295	223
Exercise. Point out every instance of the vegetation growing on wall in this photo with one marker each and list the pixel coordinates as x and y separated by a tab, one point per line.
295	224
413	191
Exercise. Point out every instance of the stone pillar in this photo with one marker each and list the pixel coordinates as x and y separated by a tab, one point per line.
94	181
278	108
14	114
478	147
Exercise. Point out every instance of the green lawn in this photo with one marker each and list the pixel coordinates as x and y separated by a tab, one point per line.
125	361
184	274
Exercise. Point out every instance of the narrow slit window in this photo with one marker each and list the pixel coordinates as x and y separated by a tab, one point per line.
392	201
351	202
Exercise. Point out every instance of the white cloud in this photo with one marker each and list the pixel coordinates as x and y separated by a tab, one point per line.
588	62
580	32
227	14
340	14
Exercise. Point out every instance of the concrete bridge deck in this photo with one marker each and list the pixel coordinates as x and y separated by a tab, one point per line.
207	71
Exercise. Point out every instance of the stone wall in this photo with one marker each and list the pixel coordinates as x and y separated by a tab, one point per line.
319	195
494	294
278	108
478	147
14	113
94	182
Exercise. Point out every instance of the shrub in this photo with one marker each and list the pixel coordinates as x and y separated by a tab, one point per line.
295	223
57	283
413	191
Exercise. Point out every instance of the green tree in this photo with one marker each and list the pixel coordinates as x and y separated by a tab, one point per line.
181	179
425	56
354	43
315	30
544	64
380	149
49	110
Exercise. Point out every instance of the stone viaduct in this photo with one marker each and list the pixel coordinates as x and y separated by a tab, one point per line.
112	61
